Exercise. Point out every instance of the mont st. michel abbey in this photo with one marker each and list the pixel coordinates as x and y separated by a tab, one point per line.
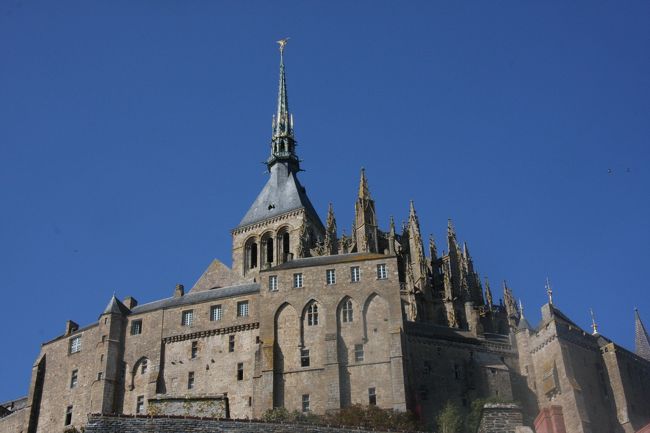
313	321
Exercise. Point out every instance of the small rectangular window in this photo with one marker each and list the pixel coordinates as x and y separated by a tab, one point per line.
195	349
372	396
187	318
240	371
190	380
74	379
231	343
273	283
330	275
139	406
358	352
136	327
68	415
297	281
304	357
355	274
100	375
75	344
305	402
382	274
215	313
144	366
242	309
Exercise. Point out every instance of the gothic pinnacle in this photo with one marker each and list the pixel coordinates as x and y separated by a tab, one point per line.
433	251
364	192
641	339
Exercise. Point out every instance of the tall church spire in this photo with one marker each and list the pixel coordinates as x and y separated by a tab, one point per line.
283	143
641	340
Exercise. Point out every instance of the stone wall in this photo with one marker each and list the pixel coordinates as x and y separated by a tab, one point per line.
501	418
15	422
142	424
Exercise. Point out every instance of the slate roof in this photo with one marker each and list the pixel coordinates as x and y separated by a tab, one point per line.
281	194
116	307
196	297
328	260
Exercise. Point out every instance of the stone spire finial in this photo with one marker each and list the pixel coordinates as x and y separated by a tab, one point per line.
521	309
331	241
488	293
594	326
549	291
364	192
433	251
283	142
641	339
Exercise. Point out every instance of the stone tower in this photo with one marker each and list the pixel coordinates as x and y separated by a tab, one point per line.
281	223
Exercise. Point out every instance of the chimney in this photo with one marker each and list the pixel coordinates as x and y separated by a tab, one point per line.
179	291
70	327
130	302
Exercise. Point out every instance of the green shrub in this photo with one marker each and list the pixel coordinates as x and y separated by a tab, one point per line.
450	419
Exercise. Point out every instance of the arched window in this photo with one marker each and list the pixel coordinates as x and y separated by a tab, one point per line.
347	314
285	246
312	314
251	254
269	250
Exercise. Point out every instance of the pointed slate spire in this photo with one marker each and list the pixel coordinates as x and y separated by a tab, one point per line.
641	340
115	307
283	143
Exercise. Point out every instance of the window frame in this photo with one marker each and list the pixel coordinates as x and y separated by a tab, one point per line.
74	378
330	276
355	274
298	282
231	343
243	309
136	325
240	371
187	318
372	396
273	283
74	345
382	271
312	314
190	380
194	350
359	353
305	359
68	415
139	404
214	316
305	403
347	311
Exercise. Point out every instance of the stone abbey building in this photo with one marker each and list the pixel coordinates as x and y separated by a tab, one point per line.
311	320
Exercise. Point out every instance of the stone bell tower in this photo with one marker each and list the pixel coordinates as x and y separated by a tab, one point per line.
281	224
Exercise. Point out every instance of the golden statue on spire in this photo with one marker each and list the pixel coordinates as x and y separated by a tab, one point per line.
282	43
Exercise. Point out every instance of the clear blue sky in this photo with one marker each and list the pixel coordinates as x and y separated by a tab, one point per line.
132	135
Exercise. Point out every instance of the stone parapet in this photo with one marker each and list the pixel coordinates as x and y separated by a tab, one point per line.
170	424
